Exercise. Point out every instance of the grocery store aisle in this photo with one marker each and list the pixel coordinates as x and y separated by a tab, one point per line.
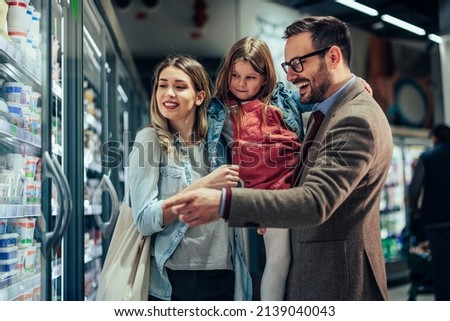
401	293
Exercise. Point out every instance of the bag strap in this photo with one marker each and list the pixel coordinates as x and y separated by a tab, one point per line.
126	197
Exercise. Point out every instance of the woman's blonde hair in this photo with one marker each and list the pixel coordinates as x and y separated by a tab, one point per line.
257	54
201	81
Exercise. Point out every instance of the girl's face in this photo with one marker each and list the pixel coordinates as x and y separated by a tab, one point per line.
245	81
177	99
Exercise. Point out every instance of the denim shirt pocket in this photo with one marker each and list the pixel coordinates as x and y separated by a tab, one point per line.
171	180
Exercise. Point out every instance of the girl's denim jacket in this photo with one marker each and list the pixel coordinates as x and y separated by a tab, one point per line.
291	110
152	179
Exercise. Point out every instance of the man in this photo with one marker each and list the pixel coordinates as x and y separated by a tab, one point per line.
333	211
432	174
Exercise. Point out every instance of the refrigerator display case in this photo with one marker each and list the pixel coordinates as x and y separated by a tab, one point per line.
57	99
35	197
394	208
109	95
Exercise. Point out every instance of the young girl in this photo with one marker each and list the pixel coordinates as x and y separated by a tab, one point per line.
264	138
200	263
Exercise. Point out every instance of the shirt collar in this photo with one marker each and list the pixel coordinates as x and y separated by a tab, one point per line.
325	105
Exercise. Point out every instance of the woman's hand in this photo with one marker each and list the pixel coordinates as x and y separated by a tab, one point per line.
224	176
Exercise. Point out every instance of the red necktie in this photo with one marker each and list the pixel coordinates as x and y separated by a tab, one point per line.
317	118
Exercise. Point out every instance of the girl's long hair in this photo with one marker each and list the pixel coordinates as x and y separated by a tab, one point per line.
257	54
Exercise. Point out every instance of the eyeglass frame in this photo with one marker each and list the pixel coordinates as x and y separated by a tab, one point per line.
300	59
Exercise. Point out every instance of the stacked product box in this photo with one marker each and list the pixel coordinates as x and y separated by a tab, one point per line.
8	257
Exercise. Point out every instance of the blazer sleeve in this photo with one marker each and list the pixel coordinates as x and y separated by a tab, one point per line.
352	143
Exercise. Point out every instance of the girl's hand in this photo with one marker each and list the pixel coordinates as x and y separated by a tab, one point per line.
367	86
224	176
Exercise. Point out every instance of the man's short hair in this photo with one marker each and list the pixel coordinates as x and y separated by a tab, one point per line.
441	132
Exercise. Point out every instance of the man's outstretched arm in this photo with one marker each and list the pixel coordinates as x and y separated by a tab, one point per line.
196	207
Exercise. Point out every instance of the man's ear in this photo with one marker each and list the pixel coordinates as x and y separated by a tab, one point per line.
335	55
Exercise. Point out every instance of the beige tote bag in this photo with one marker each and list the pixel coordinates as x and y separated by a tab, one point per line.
126	271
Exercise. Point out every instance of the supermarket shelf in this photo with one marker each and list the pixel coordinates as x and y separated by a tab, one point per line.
21	68
26	282
20	286
13	134
19	210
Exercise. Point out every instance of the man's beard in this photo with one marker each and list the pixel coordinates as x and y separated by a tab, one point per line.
322	83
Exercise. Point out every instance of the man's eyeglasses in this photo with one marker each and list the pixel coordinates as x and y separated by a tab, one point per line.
296	63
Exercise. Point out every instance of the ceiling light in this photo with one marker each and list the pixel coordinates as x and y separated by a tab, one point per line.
435	38
358	6
403	24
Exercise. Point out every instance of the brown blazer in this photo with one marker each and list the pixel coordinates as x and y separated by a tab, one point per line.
334	213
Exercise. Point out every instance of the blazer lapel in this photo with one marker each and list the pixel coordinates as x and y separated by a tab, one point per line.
319	140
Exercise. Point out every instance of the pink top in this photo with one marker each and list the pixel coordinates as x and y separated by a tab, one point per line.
266	156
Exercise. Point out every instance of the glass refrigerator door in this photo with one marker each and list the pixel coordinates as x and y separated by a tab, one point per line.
35	200
101	177
394	207
93	61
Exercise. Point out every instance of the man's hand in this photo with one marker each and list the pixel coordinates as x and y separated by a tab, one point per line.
196	207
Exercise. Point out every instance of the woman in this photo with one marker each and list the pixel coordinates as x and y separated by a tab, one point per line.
169	156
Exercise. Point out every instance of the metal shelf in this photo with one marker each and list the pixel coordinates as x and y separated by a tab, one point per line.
19	67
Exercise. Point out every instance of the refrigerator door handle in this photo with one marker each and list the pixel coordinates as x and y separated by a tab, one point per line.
105	184
50	238
66	212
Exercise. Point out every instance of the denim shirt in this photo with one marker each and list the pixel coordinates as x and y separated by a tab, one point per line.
289	104
153	177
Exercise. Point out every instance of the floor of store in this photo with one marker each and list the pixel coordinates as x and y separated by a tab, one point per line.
401	293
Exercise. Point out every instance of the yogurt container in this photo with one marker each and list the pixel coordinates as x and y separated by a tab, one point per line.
8	253
8	239
14	108
17	14
12	91
25	228
8	265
